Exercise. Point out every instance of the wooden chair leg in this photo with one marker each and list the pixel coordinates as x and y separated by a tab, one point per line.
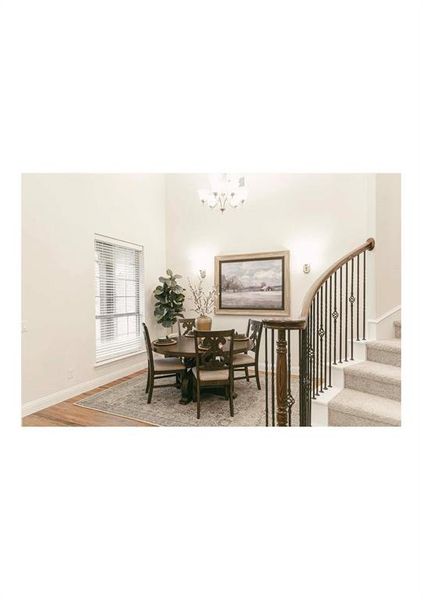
247	375
231	400
150	391
198	392
257	378
148	380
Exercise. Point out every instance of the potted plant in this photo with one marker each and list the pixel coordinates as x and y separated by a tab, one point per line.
169	300
203	303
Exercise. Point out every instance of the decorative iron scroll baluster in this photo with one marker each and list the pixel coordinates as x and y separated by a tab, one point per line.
305	402
340	315
309	352
330	332
358	298
326	335
312	344
335	316
324	310
290	398
364	295
321	334
317	345
273	377
352	300
266	374
346	312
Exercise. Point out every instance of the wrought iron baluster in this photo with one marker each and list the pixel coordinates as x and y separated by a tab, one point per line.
346	312
309	350
273	375
352	300
335	316
364	295
326	335
266	373
358	297
317	340
321	334
290	398
330	332
313	346
305	405
340	315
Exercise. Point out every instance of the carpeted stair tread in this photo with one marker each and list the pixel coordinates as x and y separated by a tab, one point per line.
376	371
393	345
374	378
385	351
397	328
351	407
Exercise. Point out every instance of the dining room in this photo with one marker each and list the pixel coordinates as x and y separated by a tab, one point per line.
190	299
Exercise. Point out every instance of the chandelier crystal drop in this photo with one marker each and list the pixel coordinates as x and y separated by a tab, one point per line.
225	190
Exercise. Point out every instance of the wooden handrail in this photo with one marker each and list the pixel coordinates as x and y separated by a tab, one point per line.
326	312
369	245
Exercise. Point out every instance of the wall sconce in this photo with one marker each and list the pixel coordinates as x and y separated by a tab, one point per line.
306	268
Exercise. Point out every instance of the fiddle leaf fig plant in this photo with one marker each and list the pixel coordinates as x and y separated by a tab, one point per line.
170	299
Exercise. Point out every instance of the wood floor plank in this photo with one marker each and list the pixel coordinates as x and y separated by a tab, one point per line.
37	420
66	413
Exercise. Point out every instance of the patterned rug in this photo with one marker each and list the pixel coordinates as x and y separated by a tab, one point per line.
128	399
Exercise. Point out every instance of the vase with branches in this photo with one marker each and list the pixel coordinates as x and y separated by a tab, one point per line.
203	302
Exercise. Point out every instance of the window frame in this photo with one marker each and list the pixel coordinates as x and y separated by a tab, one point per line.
139	303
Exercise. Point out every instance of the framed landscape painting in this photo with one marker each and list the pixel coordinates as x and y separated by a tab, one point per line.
253	284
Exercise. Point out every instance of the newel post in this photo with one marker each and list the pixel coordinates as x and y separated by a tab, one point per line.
281	380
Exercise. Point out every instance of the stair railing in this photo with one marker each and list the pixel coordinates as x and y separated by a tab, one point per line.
333	316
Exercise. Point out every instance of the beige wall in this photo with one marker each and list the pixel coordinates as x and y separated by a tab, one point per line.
388	242
317	217
60	215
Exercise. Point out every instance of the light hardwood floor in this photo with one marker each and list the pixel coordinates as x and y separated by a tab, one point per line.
66	414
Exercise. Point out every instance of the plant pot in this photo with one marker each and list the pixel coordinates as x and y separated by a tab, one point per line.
203	323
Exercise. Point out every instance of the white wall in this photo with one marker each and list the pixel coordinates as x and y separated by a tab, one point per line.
318	218
60	215
388	247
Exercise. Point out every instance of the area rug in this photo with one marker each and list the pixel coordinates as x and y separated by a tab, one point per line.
128	399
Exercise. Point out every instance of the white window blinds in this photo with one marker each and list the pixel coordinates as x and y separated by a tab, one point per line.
119	302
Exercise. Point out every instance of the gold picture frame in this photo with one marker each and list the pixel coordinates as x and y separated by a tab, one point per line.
253	284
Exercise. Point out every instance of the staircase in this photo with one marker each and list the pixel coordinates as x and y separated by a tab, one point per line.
372	393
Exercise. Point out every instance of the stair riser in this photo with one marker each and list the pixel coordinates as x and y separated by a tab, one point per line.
385	357
373	386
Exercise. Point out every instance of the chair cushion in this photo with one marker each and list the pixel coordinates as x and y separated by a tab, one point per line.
243	360
161	365
215	375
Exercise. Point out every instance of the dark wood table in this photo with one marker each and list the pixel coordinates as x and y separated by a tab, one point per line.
185	349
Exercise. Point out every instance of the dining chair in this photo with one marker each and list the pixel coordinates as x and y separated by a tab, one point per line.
213	364
185	326
160	368
251	358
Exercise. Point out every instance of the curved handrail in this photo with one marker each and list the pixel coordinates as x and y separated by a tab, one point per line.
308	299
301	321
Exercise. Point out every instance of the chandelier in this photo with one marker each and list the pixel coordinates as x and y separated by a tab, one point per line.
225	190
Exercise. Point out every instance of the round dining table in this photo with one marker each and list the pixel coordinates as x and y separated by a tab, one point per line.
185	348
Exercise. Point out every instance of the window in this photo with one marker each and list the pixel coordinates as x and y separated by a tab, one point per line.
119	302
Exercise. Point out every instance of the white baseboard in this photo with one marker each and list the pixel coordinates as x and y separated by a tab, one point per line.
44	402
